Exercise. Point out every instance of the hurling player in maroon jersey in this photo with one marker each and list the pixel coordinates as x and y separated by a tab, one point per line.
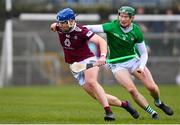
74	40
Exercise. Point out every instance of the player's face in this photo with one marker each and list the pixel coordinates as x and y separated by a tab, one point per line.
125	20
66	25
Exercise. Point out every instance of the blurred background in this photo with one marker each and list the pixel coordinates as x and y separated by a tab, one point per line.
33	56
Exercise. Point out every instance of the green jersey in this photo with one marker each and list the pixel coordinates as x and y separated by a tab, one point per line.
122	43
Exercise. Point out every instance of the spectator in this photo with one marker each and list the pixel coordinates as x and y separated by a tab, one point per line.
141	11
169	25
157	26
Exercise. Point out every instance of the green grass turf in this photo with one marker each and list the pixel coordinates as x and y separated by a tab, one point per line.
70	104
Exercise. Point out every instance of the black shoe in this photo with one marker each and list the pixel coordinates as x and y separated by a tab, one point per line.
131	110
165	108
109	117
155	116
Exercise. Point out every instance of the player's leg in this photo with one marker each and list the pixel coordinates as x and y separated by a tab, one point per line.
124	78
88	89
114	101
149	83
92	84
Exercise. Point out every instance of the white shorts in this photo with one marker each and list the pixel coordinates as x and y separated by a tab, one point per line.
80	76
129	65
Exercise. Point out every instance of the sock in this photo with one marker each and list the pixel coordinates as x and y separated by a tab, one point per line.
107	110
150	110
157	101
124	104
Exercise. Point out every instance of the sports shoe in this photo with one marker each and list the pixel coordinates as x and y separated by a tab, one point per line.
131	110
166	109
155	116
109	117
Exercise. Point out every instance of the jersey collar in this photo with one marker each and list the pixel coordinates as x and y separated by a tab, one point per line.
128	29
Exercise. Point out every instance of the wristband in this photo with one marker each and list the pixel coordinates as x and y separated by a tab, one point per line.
103	54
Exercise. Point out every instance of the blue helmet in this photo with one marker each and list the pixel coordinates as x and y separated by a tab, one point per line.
65	14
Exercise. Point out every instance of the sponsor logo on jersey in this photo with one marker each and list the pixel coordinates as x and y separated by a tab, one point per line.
120	36
115	34
67	43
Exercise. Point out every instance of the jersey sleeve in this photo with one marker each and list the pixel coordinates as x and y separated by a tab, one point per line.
86	34
107	27
95	28
140	36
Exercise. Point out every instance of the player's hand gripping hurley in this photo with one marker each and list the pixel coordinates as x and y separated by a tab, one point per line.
77	67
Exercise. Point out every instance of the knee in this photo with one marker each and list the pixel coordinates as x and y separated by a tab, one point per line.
133	91
91	83
152	88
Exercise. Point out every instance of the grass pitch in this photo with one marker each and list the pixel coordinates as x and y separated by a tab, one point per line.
71	105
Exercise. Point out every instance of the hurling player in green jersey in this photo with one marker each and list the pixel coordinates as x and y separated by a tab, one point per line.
122	37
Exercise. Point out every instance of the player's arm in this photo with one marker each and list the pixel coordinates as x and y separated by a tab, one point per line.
53	27
95	28
143	54
103	48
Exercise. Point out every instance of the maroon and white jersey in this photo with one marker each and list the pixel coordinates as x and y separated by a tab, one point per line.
75	44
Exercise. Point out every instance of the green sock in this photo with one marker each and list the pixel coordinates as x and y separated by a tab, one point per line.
150	110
